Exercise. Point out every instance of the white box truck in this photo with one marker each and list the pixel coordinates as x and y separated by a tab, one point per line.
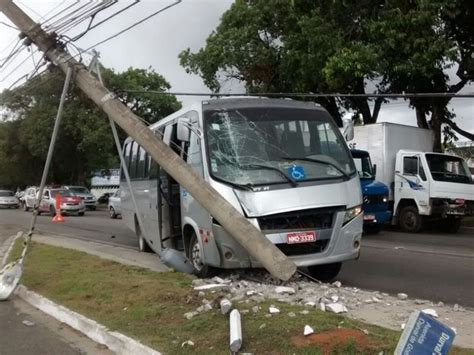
425	187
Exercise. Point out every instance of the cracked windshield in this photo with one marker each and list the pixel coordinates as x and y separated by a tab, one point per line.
255	146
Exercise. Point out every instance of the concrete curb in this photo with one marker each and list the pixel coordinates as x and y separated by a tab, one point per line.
7	247
115	341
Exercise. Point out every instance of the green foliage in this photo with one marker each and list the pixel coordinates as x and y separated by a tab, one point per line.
85	140
338	45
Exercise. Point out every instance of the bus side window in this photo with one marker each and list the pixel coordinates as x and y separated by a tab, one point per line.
141	163
126	155
132	169
194	157
152	167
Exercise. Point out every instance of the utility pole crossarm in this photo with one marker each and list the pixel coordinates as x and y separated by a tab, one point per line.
256	244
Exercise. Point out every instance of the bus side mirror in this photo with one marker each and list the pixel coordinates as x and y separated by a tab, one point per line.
374	168
348	129
183	132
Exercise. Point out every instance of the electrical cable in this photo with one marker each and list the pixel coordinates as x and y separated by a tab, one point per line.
48	20
14	69
90	13
133	25
310	95
75	38
29	8
8	25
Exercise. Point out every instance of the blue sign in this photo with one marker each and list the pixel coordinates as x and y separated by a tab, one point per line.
296	172
424	335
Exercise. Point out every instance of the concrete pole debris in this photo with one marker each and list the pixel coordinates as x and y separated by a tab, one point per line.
235	331
246	234
226	306
308	330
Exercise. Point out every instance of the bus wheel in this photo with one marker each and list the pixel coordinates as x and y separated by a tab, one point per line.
142	244
112	213
326	272
410	220
196	256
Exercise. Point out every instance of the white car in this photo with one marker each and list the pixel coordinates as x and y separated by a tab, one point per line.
114	205
8	199
29	198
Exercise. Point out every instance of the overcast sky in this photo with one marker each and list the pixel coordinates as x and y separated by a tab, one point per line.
157	43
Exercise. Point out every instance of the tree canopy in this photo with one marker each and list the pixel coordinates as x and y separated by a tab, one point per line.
85	141
330	46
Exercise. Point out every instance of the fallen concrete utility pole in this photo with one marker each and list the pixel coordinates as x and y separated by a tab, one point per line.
256	244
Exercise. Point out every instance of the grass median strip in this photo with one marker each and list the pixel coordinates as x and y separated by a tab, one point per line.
149	307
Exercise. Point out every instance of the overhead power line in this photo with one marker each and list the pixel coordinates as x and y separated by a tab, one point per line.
309	95
133	25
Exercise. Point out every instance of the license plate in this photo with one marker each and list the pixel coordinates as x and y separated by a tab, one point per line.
301	237
369	217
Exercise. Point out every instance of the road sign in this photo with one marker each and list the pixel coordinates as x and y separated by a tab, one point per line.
424	335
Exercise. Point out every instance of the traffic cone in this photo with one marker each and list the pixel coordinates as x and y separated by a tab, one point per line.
58	217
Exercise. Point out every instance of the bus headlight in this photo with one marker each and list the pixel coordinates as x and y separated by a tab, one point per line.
385	199
352	213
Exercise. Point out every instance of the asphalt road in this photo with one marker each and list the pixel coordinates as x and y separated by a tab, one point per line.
430	265
41	335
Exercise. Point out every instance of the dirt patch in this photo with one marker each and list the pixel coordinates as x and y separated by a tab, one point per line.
335	338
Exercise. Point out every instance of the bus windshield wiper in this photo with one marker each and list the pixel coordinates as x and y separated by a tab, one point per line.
247	187
319	161
268	167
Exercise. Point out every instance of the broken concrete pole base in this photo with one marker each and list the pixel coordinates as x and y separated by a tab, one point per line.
235	331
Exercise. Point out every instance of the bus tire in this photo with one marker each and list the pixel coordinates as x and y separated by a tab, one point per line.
112	213
195	256
325	272
143	246
410	220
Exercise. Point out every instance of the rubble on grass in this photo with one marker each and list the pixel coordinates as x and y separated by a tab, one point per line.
247	289
308	330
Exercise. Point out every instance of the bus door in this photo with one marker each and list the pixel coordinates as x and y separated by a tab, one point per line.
169	215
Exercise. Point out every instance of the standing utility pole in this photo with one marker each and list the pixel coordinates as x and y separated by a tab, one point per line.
256	244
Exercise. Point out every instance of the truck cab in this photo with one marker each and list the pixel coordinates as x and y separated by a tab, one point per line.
375	193
431	187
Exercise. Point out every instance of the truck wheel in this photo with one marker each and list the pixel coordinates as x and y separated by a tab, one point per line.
326	272
450	225
52	211
143	246
196	256
25	207
410	220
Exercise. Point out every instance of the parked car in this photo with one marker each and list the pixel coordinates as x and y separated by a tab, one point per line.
70	203
89	199
28	200
114	205
8	199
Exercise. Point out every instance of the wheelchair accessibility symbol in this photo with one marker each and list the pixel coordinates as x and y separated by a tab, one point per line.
296	172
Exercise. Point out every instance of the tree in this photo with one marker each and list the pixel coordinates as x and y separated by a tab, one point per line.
85	142
422	40
338	46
